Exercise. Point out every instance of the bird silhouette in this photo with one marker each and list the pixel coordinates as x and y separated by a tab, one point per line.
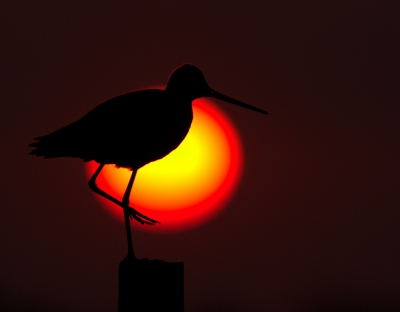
132	130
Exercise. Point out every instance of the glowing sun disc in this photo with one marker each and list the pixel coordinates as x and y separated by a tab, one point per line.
191	184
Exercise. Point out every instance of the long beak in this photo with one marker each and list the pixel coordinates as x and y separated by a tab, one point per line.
228	99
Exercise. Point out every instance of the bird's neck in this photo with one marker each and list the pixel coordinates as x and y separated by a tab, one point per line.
182	97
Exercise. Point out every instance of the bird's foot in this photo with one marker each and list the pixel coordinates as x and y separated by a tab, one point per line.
130	258
135	215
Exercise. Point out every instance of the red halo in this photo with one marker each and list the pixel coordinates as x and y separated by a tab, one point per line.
192	214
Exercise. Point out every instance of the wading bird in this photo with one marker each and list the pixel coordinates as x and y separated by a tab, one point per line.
132	130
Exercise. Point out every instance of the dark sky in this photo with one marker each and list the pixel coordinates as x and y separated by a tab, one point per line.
314	225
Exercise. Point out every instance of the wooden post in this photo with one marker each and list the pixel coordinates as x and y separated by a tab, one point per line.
150	285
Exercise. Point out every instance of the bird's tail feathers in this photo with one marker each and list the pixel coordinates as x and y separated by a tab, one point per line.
49	148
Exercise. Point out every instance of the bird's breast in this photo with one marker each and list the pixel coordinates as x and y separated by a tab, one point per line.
160	135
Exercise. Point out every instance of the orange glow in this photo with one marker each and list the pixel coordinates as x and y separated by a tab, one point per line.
191	184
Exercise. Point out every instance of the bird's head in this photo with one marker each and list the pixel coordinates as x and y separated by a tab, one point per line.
188	81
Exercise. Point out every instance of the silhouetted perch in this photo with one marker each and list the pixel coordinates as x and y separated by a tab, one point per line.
150	285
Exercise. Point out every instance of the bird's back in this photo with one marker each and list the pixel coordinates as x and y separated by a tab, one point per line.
129	130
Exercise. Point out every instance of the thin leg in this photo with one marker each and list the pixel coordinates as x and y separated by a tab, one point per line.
132	212
125	202
128	211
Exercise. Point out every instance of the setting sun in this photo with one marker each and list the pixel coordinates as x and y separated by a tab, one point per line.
191	184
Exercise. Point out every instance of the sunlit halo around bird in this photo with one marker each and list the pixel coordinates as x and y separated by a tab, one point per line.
131	131
190	185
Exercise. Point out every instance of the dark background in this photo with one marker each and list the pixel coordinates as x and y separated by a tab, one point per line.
314	225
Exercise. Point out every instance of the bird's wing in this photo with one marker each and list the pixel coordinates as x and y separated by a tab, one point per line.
131	115
130	119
